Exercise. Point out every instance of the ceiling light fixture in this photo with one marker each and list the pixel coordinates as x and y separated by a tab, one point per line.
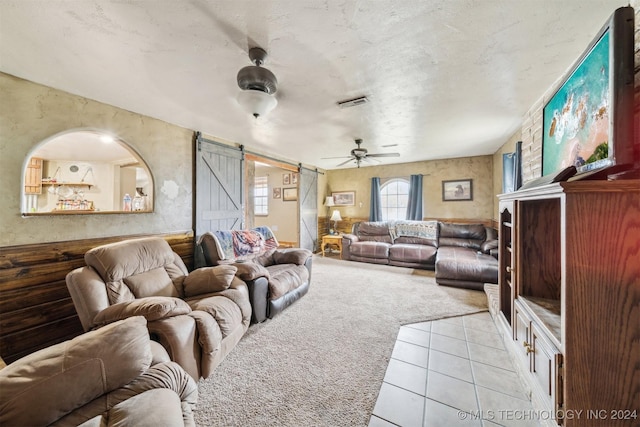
258	85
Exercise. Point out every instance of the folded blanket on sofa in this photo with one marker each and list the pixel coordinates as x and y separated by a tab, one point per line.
423	229
241	243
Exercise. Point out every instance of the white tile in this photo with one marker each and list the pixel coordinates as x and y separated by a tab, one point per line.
407	376
451	391
423	326
498	379
506	410
448	364
481	323
457	320
460	350
490	356
441	327
485	338
411	353
379	422
414	336
449	345
399	406
437	415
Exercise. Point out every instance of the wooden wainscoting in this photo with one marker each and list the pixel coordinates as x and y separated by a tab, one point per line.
36	310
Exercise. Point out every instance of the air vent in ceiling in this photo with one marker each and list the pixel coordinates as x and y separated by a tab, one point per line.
353	102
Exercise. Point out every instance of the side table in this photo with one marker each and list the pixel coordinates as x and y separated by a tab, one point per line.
331	239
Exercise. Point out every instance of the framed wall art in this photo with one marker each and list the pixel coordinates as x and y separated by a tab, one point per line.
344	198
457	190
286	179
289	194
277	193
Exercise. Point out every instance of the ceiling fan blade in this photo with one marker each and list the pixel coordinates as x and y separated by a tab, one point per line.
347	161
339	157
368	160
384	155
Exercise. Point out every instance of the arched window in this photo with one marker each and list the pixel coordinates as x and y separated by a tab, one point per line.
394	197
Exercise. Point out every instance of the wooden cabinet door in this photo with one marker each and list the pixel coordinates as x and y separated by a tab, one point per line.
522	334
546	367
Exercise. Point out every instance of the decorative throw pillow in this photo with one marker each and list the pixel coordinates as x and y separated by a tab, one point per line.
209	279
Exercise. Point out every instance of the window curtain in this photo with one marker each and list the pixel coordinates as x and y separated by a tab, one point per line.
414	207
375	210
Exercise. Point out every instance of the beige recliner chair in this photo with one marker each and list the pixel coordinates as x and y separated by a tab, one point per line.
101	378
198	318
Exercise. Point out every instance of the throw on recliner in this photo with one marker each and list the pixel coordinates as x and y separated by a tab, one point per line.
276	278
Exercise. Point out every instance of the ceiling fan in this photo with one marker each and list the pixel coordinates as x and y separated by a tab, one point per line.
360	154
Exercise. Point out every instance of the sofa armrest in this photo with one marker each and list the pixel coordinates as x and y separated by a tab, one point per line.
347	240
250	271
297	256
259	299
151	308
488	245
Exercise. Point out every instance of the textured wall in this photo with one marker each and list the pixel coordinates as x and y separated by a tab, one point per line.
479	168
30	113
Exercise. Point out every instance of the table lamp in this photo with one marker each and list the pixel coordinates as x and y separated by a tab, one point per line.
335	217
329	203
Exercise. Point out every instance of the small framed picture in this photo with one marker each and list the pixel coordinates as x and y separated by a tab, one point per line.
457	190
286	179
277	193
294	178
344	198
289	194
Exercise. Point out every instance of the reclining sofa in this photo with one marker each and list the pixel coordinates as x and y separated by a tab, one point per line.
110	376
198	317
276	278
463	255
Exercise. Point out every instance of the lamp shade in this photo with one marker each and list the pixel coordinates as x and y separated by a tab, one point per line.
335	216
256	102
329	201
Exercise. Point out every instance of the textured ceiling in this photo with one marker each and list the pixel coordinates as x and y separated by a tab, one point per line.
444	78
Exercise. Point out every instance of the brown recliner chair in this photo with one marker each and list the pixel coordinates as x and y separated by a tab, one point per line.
101	378
198	317
276	278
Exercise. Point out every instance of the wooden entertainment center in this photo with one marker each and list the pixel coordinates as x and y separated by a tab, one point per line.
569	298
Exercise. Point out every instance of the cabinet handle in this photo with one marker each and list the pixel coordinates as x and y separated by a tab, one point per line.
508	269
528	347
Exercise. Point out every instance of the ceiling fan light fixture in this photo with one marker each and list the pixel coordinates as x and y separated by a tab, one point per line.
258	85
257	102
257	78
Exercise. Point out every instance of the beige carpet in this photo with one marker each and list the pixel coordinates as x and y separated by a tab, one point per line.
321	362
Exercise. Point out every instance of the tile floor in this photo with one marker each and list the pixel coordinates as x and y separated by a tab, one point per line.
452	372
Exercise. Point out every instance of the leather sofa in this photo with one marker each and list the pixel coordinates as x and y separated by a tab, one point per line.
103	377
462	255
197	317
276	278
